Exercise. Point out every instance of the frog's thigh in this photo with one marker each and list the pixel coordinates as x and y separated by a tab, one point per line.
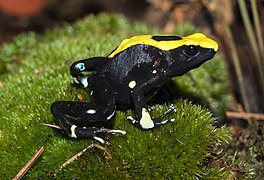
80	110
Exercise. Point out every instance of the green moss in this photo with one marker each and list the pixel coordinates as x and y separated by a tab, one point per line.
42	77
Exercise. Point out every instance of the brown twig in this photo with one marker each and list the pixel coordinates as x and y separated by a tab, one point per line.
244	115
23	171
174	137
51	125
76	156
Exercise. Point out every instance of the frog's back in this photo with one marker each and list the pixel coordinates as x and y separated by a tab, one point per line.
135	58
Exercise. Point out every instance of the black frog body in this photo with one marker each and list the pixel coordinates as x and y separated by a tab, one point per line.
137	66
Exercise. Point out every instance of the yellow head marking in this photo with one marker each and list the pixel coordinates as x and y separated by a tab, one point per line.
197	39
200	39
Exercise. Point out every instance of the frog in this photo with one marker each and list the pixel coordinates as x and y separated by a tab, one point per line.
129	76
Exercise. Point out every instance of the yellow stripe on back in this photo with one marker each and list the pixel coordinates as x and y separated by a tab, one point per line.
197	39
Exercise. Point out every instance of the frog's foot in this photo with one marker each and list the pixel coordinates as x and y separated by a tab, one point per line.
146	122
93	132
107	131
150	108
158	121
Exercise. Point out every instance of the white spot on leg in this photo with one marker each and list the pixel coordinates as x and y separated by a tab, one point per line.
146	122
84	82
109	117
91	111
166	121
75	80
132	84
114	131
73	135
172	120
99	139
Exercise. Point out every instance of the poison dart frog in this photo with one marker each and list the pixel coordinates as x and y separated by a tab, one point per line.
135	68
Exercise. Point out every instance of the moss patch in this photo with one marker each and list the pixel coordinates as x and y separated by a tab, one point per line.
41	76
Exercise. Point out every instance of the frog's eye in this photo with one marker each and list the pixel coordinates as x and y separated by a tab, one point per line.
191	51
80	66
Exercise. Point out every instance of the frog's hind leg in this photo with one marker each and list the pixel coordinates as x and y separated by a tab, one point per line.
101	110
88	112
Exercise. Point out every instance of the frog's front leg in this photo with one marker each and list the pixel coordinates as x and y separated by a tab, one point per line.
143	118
85	65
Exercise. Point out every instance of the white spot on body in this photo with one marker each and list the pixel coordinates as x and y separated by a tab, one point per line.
91	93
132	84
73	135
154	72
91	111
146	122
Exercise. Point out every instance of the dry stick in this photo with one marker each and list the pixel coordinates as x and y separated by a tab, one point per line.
174	136
75	157
51	125
23	171
244	115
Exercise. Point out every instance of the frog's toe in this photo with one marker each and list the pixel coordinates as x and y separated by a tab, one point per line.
99	139
114	131
164	122
172	109
107	131
131	119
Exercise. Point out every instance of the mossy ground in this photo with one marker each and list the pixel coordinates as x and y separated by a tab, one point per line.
40	76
